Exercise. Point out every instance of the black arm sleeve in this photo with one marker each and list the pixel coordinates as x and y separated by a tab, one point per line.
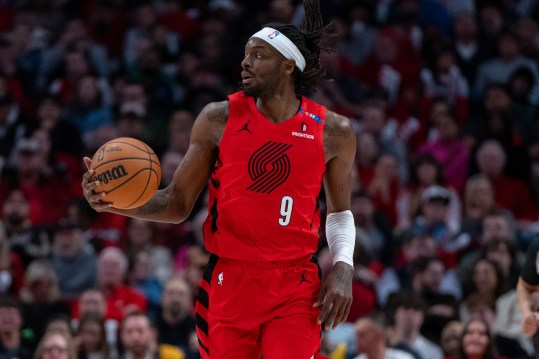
530	271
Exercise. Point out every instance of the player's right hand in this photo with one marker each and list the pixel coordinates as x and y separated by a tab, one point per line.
530	323
96	200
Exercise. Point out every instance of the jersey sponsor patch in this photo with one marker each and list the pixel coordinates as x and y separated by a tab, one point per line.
311	115
303	135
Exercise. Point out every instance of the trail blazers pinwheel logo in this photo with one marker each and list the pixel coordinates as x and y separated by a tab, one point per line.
269	167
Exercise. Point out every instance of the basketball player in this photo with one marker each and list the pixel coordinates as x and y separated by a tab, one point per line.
266	152
528	293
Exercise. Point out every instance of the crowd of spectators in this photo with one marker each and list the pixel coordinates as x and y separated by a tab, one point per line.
443	95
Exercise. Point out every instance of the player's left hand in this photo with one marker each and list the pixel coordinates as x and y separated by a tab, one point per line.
336	296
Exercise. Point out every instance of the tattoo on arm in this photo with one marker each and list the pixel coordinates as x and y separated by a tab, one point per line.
155	205
335	128
337	132
218	115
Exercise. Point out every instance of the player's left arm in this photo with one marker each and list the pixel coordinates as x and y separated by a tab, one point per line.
340	148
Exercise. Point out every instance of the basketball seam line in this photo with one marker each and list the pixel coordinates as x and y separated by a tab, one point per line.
147	182
129	179
123	159
130	144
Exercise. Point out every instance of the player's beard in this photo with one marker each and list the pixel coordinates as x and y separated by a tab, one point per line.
265	88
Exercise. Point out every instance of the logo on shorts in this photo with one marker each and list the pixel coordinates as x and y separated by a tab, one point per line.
220	278
302	279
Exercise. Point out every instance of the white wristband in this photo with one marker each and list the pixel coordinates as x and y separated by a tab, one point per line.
341	236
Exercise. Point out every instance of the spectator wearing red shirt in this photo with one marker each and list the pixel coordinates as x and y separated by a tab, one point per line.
180	20
510	193
121	299
42	183
383	187
368	150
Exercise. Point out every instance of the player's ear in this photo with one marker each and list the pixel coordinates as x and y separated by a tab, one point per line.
289	66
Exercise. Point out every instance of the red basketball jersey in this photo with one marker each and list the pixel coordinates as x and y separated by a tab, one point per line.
263	198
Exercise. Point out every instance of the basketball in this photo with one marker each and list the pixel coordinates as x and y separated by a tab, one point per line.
129	172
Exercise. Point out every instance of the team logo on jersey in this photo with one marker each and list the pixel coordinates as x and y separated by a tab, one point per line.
220	278
245	127
269	167
303	127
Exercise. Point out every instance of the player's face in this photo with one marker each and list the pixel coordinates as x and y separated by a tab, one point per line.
261	68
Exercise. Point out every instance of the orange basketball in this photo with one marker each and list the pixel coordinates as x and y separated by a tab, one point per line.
129	172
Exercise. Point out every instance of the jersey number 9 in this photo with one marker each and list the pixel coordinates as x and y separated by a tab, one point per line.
286	210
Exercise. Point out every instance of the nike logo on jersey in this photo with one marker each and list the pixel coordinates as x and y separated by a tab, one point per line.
245	127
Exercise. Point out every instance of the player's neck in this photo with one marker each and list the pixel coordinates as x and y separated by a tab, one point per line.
280	106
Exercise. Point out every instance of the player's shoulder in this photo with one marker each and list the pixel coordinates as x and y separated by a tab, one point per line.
338	125
216	112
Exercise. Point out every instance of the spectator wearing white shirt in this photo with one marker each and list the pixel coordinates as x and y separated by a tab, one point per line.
371	341
408	312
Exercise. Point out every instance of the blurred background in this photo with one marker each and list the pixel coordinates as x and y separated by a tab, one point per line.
442	94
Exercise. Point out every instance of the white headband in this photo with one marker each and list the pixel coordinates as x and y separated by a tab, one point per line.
282	44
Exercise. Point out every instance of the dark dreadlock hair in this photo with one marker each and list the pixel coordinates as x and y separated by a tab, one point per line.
309	40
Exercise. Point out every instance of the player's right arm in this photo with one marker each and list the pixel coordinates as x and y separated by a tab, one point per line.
174	203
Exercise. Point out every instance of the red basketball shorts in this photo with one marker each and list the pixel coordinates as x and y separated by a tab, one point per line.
245	310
